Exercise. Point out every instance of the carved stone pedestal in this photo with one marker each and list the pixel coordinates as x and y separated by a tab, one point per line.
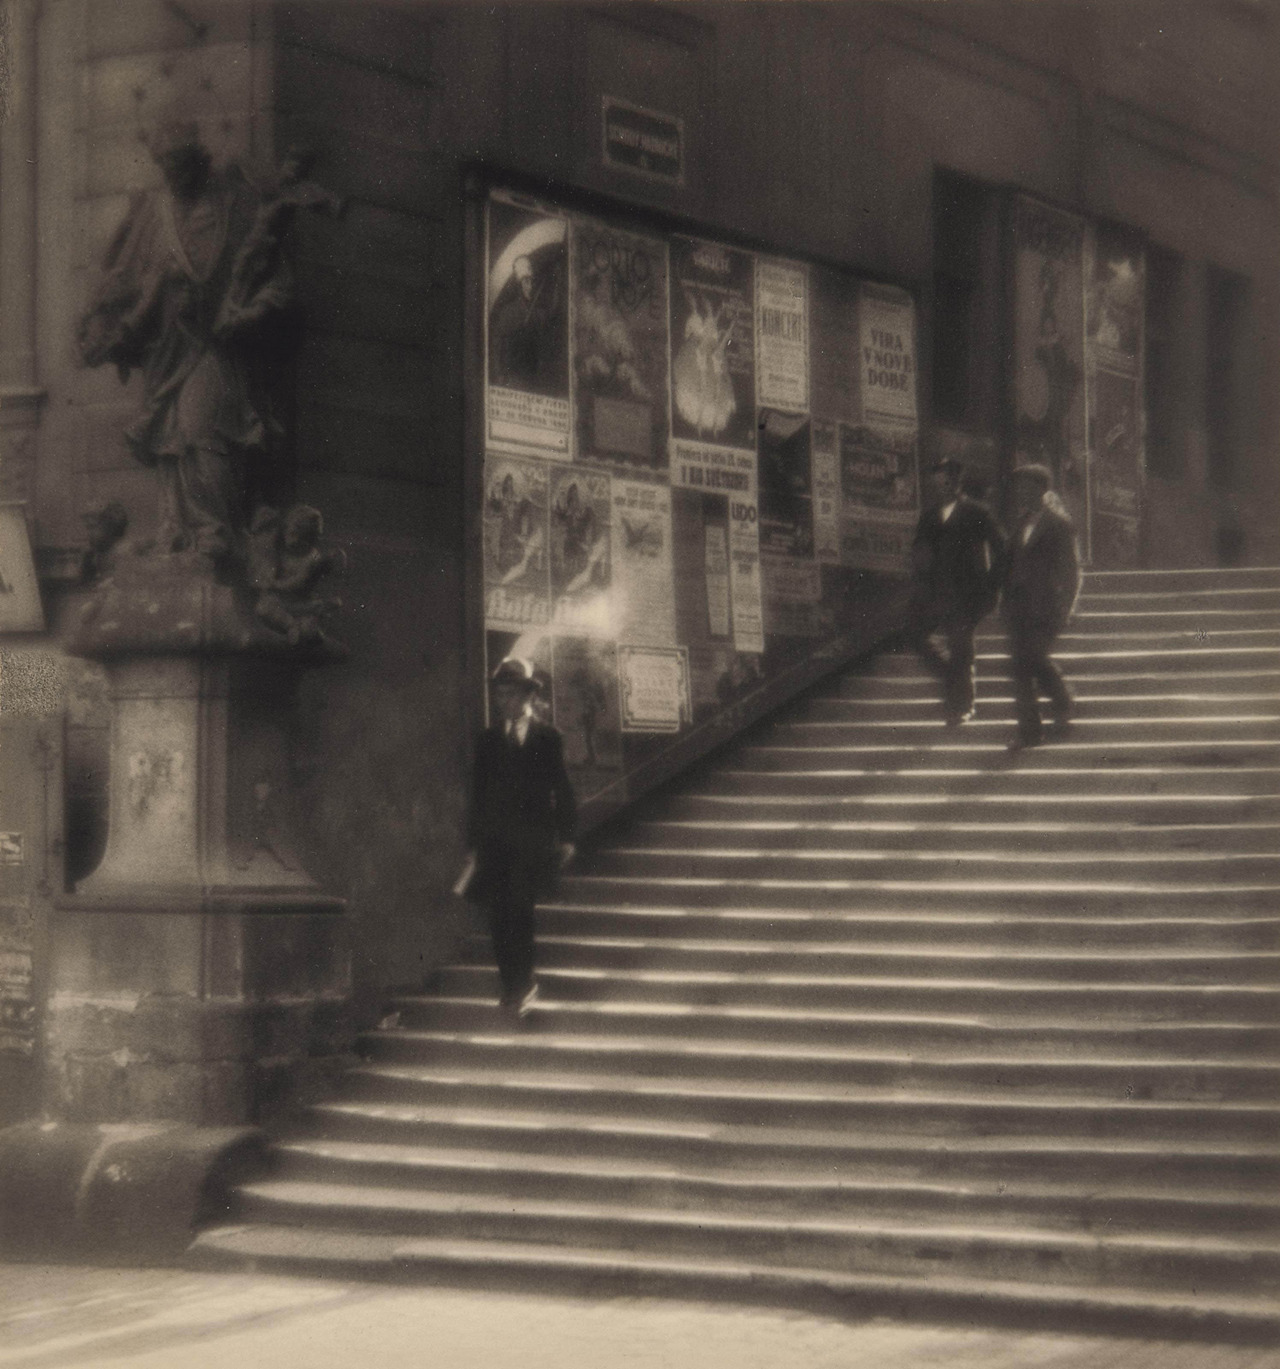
199	978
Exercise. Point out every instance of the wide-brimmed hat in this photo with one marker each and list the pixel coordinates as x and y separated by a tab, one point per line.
515	670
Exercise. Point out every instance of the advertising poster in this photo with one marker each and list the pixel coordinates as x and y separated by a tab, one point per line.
1115	292
644	604
585	694
20	606
1114	416
782	334
517	591
872	545
745	594
717	470
833	346
580	560
1115	263
788	581
716	538
17	932
1048	304
720	676
879	495
879	475
654	688
825	460
887	353
527	330
792	596
713	381
620	347
785	484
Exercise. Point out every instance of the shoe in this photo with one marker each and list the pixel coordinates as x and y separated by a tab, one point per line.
953	719
526	1003
1021	743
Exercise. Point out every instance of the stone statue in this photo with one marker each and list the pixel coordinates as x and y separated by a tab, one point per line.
285	565
105	525
195	273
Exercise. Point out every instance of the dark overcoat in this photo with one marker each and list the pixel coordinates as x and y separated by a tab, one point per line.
522	804
957	562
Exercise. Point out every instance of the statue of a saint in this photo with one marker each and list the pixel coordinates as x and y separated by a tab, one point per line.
188	281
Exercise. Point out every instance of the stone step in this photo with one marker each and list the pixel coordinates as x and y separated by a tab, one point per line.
1203	618
1116	1001
1059	1038
1131	811
887	1245
1037	774
994	683
1248	1168
913	928
641	1182
884	832
1101	659
1209	579
1087	634
711	1100
990	862
1095	596
1105	890
1168	965
1255	729
753	1062
1097	705
1089	747
551	1268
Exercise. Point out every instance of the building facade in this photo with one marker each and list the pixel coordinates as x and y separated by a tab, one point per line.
1074	206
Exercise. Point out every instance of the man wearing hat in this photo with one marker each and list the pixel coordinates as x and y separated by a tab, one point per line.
956	558
1040	585
520	825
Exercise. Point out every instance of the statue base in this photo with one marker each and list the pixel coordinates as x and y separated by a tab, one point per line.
199	974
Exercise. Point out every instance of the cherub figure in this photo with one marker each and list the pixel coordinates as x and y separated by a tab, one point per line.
262	257
285	563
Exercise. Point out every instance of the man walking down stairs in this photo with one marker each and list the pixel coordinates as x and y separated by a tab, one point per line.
872	1014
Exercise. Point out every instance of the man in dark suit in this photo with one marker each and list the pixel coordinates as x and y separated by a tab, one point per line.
520	824
955	560
1041	582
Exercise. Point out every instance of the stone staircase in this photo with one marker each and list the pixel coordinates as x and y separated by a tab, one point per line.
873	1016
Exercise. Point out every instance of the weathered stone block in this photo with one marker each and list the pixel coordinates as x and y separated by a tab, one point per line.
131	1193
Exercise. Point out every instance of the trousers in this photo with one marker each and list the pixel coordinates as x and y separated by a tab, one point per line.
1035	673
513	881
954	669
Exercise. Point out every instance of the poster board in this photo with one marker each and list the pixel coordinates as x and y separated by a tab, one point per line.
1048	351
695	456
1078	302
1115	294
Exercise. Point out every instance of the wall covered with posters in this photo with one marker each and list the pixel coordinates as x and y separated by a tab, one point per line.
697	460
1078	293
